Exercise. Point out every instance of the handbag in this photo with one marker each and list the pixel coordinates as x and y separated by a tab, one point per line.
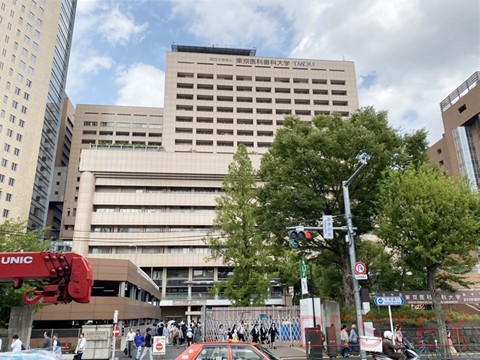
125	351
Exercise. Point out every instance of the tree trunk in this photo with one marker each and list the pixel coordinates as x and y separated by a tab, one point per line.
439	315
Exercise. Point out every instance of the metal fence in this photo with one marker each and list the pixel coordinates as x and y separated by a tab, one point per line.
286	319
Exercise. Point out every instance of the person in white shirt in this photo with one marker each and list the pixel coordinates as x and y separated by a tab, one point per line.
130	342
56	345
16	344
82	342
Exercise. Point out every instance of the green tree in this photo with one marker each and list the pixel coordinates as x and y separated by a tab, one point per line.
14	238
305	166
234	237
431	222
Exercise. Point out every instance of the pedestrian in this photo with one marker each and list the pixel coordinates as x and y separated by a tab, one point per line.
221	333
450	346
255	334
398	335
353	339
139	340
16	345
57	345
189	336
263	334
130	342
273	332
148	345
344	341
81	344
47	343
241	332
388	348
197	333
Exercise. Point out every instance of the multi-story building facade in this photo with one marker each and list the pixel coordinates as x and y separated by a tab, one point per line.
142	182
458	152
216	98
36	37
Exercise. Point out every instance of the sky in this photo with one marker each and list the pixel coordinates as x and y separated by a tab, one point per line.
409	54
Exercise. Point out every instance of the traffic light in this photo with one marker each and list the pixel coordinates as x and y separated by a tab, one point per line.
297	235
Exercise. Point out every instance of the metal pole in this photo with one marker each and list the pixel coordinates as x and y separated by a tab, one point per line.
313	297
363	158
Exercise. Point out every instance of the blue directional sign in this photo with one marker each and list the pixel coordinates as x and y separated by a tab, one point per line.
388	300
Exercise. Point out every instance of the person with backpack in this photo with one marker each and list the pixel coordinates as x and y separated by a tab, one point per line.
189	336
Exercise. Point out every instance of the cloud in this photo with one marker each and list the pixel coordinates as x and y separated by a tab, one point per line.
141	85
95	63
119	28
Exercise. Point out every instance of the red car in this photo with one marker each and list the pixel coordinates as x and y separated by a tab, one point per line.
226	351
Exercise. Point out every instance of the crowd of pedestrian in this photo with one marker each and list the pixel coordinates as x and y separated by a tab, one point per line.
243	332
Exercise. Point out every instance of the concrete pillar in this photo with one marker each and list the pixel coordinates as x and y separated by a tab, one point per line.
84	213
21	320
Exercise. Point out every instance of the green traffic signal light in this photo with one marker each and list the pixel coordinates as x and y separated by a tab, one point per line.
293	243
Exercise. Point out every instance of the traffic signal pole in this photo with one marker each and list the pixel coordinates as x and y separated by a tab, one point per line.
362	159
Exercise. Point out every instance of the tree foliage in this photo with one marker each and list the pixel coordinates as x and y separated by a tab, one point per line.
305	166
235	239
432	224
14	238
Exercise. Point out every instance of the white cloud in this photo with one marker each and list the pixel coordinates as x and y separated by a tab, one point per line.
95	63
141	85
119	28
419	51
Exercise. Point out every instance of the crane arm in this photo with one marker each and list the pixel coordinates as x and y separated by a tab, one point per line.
66	277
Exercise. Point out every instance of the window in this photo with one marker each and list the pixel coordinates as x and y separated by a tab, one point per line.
16	152
4	162
14	104
11	181
12	118
6	147
24	109
14	166
2	178
26	96
19	137
8	197
9	132
28	83
5	213
17	90
21	123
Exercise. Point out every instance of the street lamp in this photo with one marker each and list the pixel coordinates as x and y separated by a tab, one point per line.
136	251
362	160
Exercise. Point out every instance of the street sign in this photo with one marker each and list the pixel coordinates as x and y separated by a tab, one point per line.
388	300
303	269
360	268
159	345
116	331
303	282
327	226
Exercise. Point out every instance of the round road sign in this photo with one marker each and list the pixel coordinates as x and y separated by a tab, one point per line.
360	268
116	331
158	346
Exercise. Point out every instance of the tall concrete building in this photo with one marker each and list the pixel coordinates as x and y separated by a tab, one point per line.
458	152
217	98
36	37
142	182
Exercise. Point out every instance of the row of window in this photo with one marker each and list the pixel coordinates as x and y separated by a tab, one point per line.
261	100
260	78
121	124
238	110
248	144
156	209
258	89
137	145
223	132
158	190
155	250
121	133
148	229
210	120
12	118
